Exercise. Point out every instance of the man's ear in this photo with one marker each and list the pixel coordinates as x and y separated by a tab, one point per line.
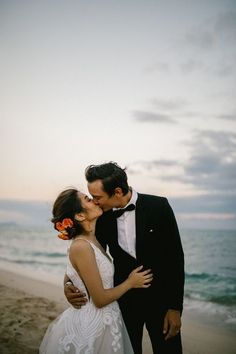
118	192
80	217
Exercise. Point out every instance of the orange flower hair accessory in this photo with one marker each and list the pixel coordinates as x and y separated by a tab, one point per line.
62	226
63	235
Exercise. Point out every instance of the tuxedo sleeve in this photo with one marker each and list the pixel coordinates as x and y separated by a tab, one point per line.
174	260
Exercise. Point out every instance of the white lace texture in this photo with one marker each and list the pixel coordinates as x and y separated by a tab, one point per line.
90	329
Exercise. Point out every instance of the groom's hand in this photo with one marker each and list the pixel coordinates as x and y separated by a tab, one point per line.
74	296
172	324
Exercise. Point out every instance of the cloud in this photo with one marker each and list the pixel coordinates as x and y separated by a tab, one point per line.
210	172
211	46
161	163
169	105
150	117
224	69
212	165
153	166
199	38
191	65
225	25
170	111
218	29
210	169
227	117
206	203
160	66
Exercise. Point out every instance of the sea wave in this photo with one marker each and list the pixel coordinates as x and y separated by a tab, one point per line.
224	299
208	277
48	254
214	288
32	262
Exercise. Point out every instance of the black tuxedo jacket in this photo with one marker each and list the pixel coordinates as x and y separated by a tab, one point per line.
158	246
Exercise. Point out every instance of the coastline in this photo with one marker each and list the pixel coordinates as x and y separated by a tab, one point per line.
30	301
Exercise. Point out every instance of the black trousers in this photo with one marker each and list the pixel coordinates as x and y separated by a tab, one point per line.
154	323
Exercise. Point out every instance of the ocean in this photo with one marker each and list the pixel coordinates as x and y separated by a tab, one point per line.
210	265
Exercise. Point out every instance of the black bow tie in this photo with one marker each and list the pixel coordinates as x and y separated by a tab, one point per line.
119	212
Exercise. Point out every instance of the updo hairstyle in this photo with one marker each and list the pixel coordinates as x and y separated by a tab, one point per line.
65	206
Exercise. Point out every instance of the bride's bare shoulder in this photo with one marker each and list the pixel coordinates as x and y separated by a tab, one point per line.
80	246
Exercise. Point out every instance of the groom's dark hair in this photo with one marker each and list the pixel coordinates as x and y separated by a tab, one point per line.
111	175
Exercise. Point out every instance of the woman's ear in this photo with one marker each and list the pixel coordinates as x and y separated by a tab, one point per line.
80	217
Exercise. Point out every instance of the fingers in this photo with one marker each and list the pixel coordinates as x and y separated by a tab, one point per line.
142	278
173	331
145	272
172	324
72	292
170	328
71	288
77	304
148	277
77	299
77	295
137	269
165	326
146	285
147	281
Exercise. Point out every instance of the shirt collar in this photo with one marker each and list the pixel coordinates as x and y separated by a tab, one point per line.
133	199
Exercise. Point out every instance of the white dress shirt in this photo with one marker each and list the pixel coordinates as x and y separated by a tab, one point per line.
127	228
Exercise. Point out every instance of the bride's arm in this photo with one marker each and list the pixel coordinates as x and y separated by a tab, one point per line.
83	259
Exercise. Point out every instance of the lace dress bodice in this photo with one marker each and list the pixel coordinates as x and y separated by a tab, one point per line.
89	330
105	266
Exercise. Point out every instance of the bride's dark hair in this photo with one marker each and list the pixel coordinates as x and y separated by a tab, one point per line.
66	206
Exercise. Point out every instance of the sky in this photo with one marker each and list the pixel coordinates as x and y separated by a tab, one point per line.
149	84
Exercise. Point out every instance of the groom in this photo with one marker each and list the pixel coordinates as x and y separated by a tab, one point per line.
140	229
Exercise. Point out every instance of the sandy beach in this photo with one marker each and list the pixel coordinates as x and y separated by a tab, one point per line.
29	303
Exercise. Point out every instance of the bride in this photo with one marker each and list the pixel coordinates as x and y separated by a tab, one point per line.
98	327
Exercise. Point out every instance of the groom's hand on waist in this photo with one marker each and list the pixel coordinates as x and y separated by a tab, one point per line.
74	296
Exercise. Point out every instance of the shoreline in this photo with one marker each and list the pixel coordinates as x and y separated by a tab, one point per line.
30	301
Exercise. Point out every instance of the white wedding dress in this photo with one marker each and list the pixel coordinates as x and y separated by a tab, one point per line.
89	330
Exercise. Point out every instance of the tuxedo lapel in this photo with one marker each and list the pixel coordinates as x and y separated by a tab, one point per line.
112	229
